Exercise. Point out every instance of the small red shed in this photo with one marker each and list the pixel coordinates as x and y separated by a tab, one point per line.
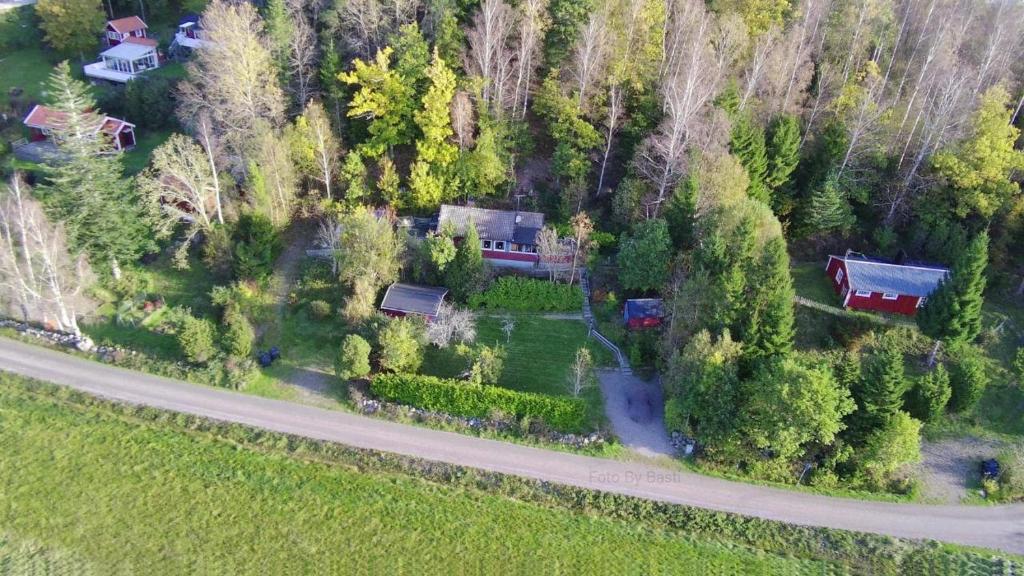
42	121
413	300
642	313
866	283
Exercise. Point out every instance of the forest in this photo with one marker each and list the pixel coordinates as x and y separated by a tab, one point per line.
697	151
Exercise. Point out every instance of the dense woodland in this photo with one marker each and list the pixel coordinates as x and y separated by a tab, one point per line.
694	146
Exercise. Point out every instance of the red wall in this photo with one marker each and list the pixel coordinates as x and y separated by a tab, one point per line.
904	304
520	256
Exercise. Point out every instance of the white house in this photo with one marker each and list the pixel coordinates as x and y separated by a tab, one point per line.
125	61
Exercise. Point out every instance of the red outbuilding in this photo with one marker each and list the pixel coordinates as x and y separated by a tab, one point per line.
42	121
122	29
866	283
639	313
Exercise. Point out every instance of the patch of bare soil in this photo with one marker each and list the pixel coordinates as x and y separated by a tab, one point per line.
948	466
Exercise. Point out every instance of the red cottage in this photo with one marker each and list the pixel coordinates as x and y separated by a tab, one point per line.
42	120
412	300
508	238
871	284
120	30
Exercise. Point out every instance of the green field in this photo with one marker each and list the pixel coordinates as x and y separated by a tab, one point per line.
127	496
27	69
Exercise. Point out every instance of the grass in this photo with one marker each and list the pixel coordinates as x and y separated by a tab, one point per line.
538	356
28	69
810	281
141	497
136	159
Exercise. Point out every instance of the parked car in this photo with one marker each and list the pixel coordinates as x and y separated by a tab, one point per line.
989	469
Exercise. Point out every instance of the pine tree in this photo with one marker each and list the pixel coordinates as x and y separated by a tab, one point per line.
87	189
952	313
330	70
769	314
465	274
928	399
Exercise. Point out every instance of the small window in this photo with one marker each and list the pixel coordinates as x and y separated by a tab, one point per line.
839	275
499	245
889	296
517	247
862	293
922	301
486	244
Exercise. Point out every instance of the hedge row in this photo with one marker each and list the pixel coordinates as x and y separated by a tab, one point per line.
529	294
475	400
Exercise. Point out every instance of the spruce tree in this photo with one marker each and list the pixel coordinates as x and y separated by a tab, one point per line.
86	189
783	150
465	274
279	31
952	313
928	399
747	142
769	315
829	211
680	212
883	382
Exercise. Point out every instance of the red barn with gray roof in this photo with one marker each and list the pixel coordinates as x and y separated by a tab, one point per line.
413	300
873	284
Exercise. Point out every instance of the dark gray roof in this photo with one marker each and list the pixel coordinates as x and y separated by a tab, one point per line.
906	279
508	225
413	299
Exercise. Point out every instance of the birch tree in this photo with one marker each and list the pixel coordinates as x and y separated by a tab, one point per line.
182	188
233	79
302	55
531	24
39	278
590	56
489	55
320	145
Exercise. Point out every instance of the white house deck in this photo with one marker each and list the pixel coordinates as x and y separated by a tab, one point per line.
100	71
187	42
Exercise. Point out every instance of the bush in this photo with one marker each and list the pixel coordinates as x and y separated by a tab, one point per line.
400	345
319	309
196	338
150	104
927	400
475	400
354	359
238	333
488	364
529	294
256	246
967	378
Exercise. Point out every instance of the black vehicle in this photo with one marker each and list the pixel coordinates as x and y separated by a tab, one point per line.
989	469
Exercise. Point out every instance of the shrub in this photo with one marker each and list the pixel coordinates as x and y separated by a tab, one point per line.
196	338
354	359
256	247
927	400
319	309
529	294
238	333
400	345
150	104
967	378
488	364
475	400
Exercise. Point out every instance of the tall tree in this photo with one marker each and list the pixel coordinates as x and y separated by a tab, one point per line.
319	146
783	150
952	313
880	391
644	255
71	26
770	325
489	56
384	98
40	280
370	258
181	186
233	79
87	191
465	274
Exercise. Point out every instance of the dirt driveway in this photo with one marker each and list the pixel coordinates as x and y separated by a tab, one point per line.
949	465
635	409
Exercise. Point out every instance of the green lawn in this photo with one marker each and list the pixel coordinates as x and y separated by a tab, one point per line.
137	159
127	497
810	281
27	69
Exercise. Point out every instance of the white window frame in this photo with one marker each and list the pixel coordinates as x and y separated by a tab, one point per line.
862	293
922	301
839	275
485	244
499	245
890	296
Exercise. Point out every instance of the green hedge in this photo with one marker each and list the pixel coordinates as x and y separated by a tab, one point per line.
529	294
474	400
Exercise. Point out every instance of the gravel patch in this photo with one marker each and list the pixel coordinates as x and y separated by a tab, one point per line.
948	465
635	409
